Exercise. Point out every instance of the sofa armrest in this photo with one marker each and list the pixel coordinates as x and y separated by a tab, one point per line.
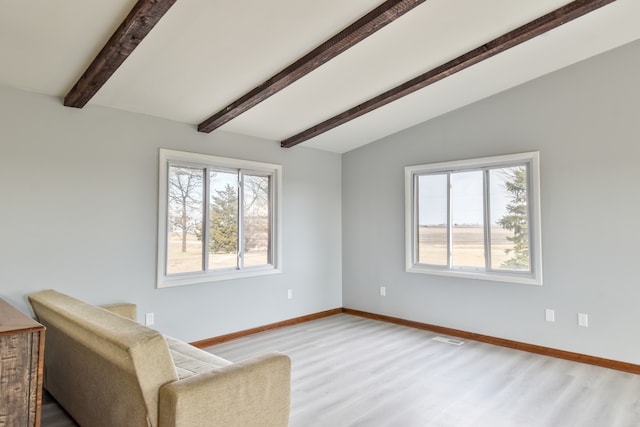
127	310
254	392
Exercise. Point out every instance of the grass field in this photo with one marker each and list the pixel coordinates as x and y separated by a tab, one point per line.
468	250
191	260
468	246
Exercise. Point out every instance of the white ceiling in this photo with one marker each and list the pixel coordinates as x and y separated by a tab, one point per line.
204	54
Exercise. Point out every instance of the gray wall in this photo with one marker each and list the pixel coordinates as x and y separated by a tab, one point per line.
79	214
585	121
79	192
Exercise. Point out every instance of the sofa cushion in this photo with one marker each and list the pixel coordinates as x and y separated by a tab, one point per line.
190	360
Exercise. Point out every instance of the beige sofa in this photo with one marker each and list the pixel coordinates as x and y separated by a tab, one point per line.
107	370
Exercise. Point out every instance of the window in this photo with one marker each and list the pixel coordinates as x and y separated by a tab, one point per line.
218	218
477	218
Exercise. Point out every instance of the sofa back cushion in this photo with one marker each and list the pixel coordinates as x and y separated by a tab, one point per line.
104	369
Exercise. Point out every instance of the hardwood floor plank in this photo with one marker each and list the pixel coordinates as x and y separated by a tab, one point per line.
350	371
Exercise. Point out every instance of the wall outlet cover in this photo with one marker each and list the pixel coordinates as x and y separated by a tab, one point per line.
583	320
550	315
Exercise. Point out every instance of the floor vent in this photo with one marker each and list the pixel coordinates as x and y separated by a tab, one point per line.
448	340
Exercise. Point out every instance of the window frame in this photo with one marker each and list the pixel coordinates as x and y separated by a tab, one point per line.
169	158
532	162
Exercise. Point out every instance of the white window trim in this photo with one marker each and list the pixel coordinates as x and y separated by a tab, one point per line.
535	235
163	280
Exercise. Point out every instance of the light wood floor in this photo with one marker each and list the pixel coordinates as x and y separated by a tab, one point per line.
351	371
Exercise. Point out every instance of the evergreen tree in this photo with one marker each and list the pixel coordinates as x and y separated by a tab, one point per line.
516	220
224	221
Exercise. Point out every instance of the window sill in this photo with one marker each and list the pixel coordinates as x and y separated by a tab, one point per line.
494	277
196	278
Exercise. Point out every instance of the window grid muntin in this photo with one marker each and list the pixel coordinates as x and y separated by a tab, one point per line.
449	224
241	220
486	198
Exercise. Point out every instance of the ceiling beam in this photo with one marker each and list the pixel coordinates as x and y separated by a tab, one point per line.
135	27
513	38
373	21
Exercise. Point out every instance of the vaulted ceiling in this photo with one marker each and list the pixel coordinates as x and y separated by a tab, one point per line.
331	74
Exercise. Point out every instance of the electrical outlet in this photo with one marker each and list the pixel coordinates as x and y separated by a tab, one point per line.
290	294
149	319
583	320
550	315
383	291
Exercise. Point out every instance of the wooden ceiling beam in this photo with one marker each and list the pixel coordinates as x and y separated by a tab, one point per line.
376	19
135	27
513	38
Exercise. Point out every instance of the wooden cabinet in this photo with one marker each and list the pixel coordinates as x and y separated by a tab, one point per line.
21	366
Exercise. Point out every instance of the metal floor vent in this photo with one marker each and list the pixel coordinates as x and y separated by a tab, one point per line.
448	340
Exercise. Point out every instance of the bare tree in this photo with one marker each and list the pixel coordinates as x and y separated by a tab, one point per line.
185	200
256	211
